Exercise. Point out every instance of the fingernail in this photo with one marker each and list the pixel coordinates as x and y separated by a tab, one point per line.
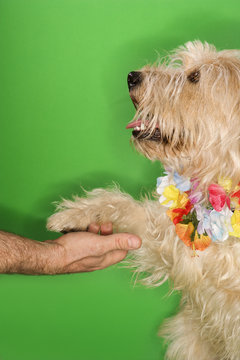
134	243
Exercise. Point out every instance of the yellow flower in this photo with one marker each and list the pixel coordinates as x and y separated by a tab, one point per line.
225	183
173	198
235	221
182	200
171	193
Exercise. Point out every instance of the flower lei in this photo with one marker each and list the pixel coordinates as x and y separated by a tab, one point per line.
196	221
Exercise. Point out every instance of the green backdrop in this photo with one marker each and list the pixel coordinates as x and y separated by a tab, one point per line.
64	108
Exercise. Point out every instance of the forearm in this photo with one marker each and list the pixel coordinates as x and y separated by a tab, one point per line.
25	256
70	253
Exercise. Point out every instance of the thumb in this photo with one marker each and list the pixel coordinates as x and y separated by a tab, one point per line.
122	241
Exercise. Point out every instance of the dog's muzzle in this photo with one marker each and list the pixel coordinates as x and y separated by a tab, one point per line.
134	79
140	131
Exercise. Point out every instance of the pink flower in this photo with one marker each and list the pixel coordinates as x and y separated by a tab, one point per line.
195	197
196	194
218	197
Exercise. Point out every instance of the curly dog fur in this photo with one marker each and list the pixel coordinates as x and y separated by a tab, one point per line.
187	117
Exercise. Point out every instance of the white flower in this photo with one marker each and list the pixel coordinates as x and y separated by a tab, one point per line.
182	183
220	224
162	183
203	217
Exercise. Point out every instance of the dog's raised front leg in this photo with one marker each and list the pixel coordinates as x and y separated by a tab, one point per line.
100	206
147	219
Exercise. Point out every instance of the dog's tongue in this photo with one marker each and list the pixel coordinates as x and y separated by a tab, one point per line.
133	124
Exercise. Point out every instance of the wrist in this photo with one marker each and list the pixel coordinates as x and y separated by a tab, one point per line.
41	258
25	256
51	258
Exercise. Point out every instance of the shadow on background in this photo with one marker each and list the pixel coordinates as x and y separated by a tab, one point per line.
35	227
22	224
221	35
62	291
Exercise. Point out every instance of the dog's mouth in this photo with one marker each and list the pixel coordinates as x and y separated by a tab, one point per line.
143	132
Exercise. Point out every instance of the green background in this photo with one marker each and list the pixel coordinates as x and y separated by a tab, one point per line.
64	108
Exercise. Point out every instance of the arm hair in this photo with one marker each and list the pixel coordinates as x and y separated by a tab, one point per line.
21	255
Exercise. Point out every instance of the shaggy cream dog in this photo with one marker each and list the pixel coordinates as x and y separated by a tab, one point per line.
188	117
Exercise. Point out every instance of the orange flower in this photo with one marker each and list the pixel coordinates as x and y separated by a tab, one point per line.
184	232
201	242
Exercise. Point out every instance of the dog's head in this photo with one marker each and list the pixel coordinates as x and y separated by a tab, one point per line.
188	111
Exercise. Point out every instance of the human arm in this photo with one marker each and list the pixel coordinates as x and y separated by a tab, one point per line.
70	253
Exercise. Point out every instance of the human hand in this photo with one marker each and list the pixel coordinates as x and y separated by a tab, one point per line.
88	251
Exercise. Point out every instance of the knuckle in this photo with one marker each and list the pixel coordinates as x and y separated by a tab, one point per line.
119	243
93	227
107	226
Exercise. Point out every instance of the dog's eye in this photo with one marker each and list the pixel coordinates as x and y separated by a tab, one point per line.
194	77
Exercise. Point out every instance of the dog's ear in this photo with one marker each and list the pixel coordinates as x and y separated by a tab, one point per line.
195	52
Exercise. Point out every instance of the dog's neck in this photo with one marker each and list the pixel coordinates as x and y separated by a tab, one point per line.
205	171
200	219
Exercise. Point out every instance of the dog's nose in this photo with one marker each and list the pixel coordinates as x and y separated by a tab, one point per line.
134	78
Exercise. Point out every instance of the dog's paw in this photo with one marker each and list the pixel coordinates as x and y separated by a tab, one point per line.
69	220
100	206
78	214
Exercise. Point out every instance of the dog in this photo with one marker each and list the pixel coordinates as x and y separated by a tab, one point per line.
188	118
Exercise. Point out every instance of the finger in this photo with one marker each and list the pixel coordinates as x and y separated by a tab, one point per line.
106	229
94	228
121	241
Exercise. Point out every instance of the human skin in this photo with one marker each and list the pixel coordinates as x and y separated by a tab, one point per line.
71	253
